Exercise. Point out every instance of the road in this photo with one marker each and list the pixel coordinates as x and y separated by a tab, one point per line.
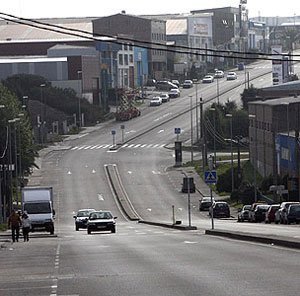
142	259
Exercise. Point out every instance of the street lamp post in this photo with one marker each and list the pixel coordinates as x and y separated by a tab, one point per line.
2	202
79	97
189	199
253	116
231	152
218	92
42	116
215	154
192	142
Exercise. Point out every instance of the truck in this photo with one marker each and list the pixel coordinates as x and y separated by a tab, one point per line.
37	202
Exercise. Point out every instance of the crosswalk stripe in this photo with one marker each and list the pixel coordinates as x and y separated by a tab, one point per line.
107	146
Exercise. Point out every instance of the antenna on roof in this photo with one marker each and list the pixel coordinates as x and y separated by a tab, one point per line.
123	11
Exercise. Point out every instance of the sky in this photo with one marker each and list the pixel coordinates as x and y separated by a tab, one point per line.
98	8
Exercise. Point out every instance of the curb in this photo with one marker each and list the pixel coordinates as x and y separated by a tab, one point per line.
174	226
286	242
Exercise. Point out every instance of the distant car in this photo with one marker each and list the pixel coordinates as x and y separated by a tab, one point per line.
205	203
243	214
165	97
101	221
208	79
270	214
252	209
187	84
174	93
176	82
260	213
81	218
156	101
220	209
293	214
282	212
165	85
219	74
231	76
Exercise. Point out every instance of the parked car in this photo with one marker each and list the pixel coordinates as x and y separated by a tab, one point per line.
187	84
282	212
243	214
231	76
176	82
205	203
219	74
82	217
165	85
260	213
270	214
165	97
220	209
293	214
156	101
101	221
174	93
252	209
208	79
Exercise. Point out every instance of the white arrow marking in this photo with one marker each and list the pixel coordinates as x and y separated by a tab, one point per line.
100	197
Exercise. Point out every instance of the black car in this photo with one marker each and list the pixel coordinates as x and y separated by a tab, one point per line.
101	221
293	214
81	218
259	214
220	209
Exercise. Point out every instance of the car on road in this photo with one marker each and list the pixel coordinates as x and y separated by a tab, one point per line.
293	214
231	76
156	101
252	210
101	221
219	74
259	214
243	214
81	218
174	93
165	85
165	97
282	212
176	82
220	209
205	203
187	83
270	214
208	79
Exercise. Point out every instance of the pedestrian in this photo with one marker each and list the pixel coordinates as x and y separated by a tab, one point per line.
14	222
26	225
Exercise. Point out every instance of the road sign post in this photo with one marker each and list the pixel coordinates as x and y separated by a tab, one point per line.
211	178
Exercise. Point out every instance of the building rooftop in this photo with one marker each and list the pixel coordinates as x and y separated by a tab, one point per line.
277	102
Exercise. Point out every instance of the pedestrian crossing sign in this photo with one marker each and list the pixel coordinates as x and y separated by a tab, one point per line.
210	177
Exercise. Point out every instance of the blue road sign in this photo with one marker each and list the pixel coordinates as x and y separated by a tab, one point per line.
177	130
113	132
210	177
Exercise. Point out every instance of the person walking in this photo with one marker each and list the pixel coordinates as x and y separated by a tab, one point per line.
26	225
14	222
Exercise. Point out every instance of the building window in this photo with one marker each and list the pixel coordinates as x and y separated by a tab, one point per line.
125	46
120	59
126	59
131	58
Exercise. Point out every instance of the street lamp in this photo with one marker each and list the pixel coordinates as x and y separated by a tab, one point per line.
218	92
42	115
215	155
232	175
2	202
191	107
79	97
189	198
253	117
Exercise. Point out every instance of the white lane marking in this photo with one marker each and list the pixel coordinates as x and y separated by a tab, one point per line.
87	147
137	145
189	242
81	147
144	145
125	145
160	131
74	148
106	146
99	146
100	197
131	145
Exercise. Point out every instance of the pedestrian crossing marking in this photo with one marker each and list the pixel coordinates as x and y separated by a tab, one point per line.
107	146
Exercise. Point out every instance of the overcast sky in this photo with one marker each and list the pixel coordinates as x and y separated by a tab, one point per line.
76	8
